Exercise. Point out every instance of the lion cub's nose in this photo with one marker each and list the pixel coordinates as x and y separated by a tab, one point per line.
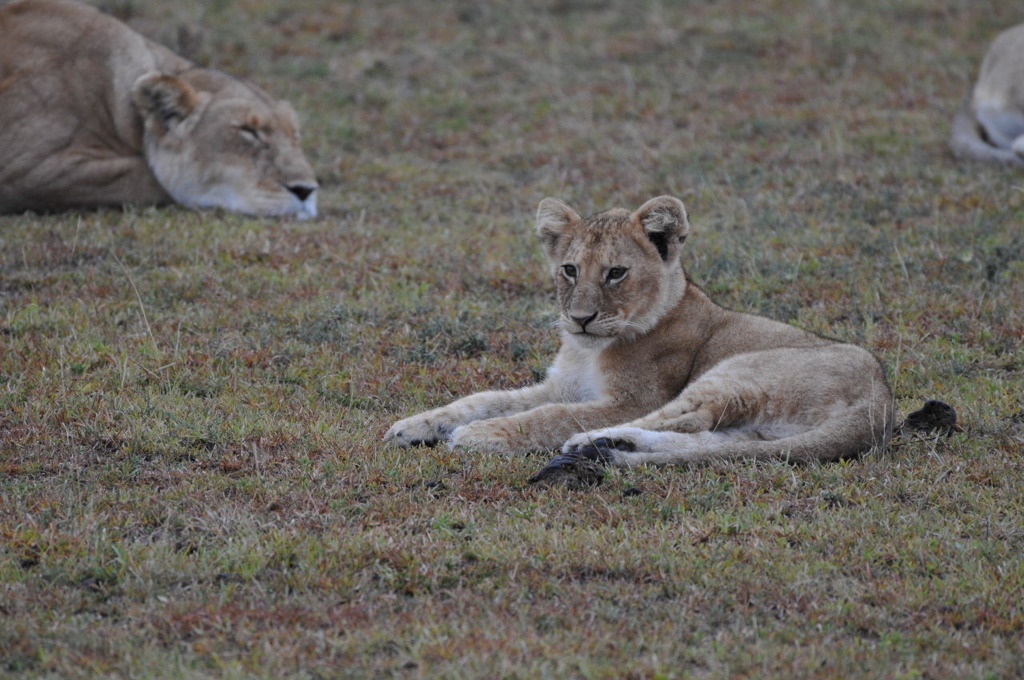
302	191
584	320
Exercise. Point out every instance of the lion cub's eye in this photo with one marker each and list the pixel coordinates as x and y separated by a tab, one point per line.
616	274
569	270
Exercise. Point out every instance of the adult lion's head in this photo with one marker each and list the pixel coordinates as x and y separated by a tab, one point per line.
217	142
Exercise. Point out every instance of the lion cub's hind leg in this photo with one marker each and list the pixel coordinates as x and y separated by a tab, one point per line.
684	424
720	406
754	397
630	446
730	394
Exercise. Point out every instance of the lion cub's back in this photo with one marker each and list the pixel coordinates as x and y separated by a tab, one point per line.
740	333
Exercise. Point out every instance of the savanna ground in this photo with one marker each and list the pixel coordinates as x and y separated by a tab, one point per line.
192	479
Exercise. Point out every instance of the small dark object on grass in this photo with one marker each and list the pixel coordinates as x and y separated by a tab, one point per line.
581	469
437	487
632	491
572	471
935	417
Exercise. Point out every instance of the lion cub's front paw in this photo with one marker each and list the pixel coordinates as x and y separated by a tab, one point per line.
610	439
485	435
425	428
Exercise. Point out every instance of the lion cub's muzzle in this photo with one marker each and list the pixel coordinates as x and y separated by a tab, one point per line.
580	322
586	327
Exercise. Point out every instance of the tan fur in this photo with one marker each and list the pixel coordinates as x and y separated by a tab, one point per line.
94	114
989	125
683	379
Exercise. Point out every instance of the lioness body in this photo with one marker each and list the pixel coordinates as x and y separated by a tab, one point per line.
656	372
989	125
94	114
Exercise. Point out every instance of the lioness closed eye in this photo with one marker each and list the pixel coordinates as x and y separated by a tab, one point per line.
652	371
989	126
93	114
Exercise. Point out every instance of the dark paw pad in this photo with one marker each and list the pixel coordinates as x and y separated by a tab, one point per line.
617	444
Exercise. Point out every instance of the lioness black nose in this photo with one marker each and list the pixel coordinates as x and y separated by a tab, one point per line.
301	191
584	320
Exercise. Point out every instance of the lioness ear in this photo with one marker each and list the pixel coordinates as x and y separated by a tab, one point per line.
553	217
163	99
664	220
287	111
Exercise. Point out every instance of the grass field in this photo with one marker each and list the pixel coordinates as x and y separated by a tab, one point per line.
192	479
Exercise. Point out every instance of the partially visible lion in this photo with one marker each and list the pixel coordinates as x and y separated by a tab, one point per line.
94	114
989	126
652	371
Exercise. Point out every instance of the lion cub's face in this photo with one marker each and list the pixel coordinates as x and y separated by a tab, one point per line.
224	144
616	272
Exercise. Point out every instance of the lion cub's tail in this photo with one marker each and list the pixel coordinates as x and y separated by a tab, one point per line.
966	142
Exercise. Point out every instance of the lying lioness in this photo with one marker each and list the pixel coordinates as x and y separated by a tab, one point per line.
94	114
990	123
652	371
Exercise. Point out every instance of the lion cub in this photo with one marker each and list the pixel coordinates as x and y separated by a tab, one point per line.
989	125
681	379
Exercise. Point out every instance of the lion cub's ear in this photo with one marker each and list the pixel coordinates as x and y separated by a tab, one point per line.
553	217
163	99
664	220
